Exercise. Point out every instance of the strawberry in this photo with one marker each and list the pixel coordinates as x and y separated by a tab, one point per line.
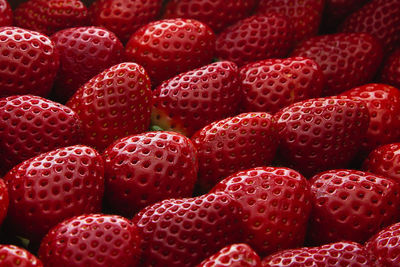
31	125
113	104
53	186
191	100
383	103
6	14
343	253
15	256
255	38
346	59
157	166
321	134
50	16
337	10
124	17
93	240
233	144
235	255
351	205
272	84
94	9
84	53
275	205
168	47
217	14
391	70
183	232
4	201
28	62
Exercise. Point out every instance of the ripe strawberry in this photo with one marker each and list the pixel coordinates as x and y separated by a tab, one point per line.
321	134
94	9
343	253
4	201
6	14
15	256
305	16
255	38
31	125
346	59
337	10
157	166
391	70
124	17
84	53
235	255
383	103
217	14
275	206
50	16
230	145
272	84
191	100
351	205
28	62
93	240
168	47
113	104
53	186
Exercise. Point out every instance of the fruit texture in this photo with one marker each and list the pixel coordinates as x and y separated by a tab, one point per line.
391	70
4	201
337	10
11	255
6	14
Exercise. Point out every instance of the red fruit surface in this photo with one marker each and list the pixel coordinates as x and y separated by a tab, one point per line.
11	256
255	38
391	70
6	14
93	240
275	206
31	125
168	47
28	62
84	53
94	9
351	205
113	104
237	143
191	100
337	10
53	186
346	59
4	201
272	84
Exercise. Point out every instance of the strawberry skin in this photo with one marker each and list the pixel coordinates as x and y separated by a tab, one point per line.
168	47
255	38
4	201
15	256
391	70
272	84
346	59
351	205
94	240
337	10
6	14
113	104
191	100
31	125
53	186
157	166
28	62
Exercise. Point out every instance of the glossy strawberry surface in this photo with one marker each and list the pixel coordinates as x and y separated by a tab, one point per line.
391	70
4	201
6	14
11	255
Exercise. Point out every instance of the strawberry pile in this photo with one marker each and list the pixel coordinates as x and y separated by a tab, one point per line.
203	133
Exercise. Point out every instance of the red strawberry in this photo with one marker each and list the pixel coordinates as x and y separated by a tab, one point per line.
191	100
343	253
275	205
255	38
15	256
157	166
227	146
31	125
93	240
351	205
28	62
218	14
383	103
4	201
124	17
50	16
305	16
113	104
347	59
272	84
168	47
53	186
337	10
84	53
94	9
321	134
6	14
183	232
235	255
391	70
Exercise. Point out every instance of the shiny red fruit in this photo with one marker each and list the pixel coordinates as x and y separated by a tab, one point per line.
391	70
11	256
6	14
